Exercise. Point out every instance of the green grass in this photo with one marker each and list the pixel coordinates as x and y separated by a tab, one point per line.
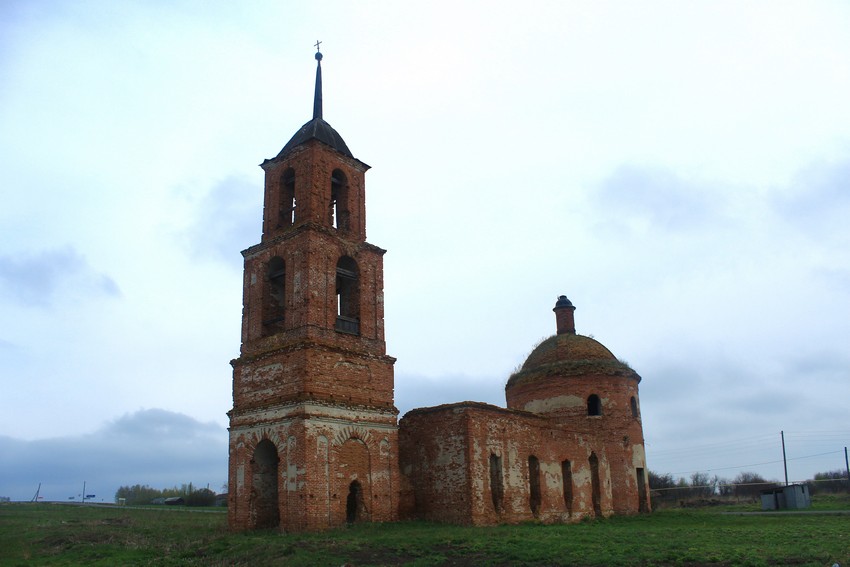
55	534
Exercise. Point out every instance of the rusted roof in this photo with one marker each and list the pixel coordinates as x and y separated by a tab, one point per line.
316	129
570	355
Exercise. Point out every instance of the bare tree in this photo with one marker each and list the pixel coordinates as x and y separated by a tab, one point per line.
701	485
750	484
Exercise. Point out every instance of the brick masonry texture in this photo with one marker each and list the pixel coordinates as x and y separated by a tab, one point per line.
315	440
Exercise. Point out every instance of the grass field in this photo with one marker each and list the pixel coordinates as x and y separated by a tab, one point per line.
58	534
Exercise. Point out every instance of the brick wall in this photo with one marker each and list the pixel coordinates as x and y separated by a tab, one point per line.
321	450
447	453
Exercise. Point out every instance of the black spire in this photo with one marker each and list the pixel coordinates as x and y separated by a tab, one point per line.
317	97
317	128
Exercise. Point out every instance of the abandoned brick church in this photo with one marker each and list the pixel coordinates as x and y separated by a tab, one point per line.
315	440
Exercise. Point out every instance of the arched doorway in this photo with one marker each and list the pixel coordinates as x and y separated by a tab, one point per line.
354	507
265	511
355	490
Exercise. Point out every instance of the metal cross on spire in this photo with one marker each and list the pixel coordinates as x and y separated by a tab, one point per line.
317	96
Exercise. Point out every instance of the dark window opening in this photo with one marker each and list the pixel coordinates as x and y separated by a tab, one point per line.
595	488
347	296
497	491
567	479
594	405
633	404
275	300
354	502
286	213
534	497
339	213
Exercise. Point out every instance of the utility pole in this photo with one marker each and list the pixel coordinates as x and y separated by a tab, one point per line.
84	491
784	461
847	466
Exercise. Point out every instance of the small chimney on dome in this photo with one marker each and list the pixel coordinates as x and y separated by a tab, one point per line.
565	316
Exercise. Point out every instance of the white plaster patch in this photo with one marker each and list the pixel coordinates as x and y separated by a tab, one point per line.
638	456
513	466
555	403
450	454
291	467
551	473
263	374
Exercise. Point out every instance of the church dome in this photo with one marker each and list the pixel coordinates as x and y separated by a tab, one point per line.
566	348
568	354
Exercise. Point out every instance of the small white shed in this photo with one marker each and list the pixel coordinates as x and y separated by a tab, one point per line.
790	497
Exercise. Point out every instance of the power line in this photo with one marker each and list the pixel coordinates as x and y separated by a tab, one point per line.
766	444
749	441
759	464
716	445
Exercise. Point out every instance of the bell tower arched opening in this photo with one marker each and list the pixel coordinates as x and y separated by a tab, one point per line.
340	216
347	296
286	209
274	304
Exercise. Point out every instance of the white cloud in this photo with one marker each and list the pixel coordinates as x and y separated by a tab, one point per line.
676	169
40	278
227	218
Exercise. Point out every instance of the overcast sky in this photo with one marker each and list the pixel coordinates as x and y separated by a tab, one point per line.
679	170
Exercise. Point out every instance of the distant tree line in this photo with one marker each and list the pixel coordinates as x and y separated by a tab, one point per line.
141	494
744	486
830	482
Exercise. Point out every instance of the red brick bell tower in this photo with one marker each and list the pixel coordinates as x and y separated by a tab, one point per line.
313	429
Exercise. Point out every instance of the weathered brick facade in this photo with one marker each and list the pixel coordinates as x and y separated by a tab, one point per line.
313	429
315	440
569	445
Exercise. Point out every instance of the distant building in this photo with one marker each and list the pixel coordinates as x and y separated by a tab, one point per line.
315	440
